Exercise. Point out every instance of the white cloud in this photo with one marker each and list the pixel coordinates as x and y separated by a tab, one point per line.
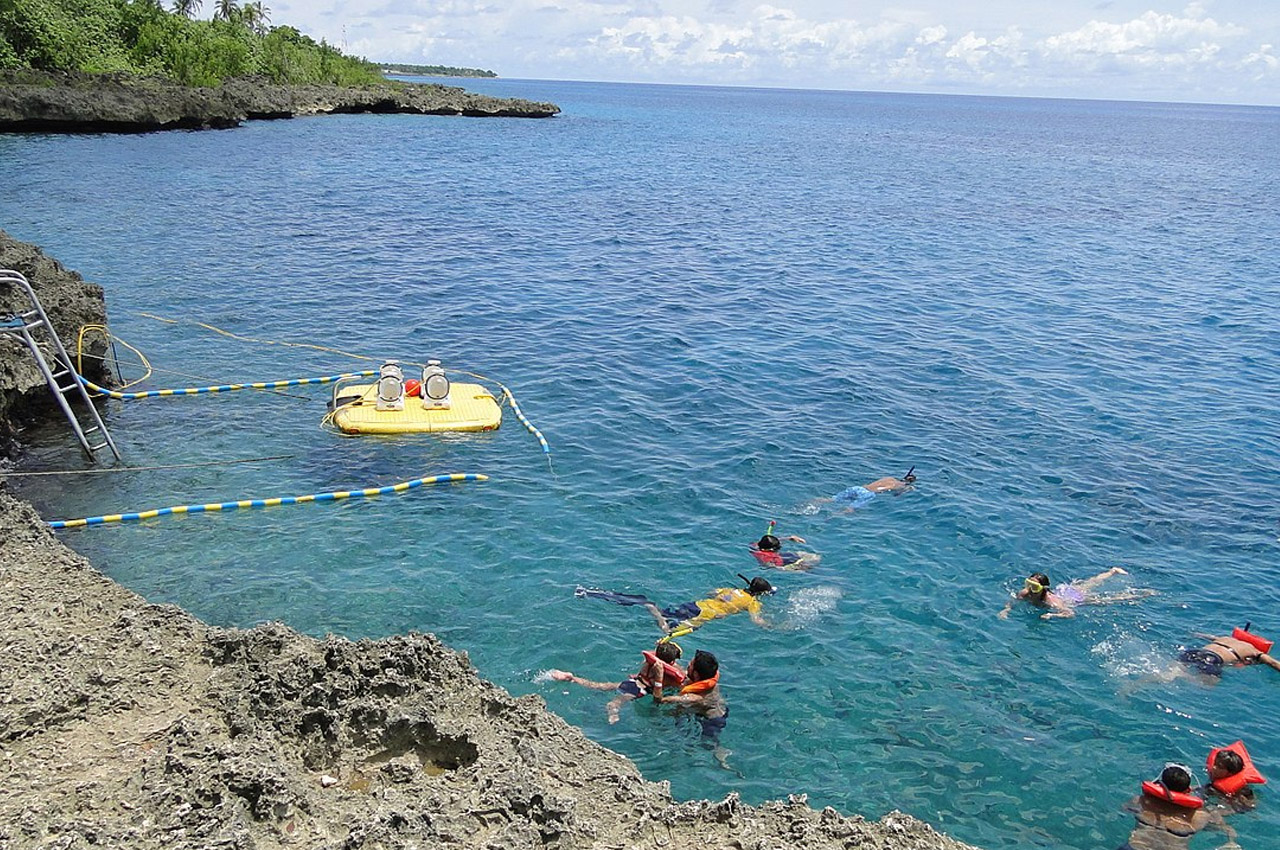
1104	49
1150	39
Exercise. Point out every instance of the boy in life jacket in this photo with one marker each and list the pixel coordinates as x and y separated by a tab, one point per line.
1231	772
1168	814
768	551
658	671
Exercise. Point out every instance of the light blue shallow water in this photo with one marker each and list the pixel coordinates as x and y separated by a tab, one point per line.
718	304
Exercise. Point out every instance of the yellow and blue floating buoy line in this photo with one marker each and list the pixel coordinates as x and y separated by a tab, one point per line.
335	496
220	388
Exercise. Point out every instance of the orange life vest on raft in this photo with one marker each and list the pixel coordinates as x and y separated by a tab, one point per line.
1234	783
1178	798
702	685
671	674
1256	641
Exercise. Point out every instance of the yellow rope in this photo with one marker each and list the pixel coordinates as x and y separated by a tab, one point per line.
102	329
228	333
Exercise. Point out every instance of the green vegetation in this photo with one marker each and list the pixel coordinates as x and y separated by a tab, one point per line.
138	36
435	70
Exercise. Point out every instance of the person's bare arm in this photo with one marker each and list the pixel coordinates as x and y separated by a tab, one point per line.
1269	661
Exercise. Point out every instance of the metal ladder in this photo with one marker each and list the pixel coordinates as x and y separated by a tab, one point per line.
61	374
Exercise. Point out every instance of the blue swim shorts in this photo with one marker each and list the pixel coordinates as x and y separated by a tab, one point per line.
854	496
713	726
633	688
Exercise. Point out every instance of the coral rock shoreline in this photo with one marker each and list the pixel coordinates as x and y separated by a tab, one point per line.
128	724
36	101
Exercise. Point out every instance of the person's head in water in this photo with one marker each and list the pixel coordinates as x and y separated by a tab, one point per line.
1175	777
769	543
668	651
1225	763
1037	585
910	477
759	586
703	666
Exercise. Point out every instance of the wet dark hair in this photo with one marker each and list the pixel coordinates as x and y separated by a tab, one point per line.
704	665
1230	761
759	585
769	543
667	651
1175	778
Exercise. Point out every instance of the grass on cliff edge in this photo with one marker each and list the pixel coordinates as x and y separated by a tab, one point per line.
140	37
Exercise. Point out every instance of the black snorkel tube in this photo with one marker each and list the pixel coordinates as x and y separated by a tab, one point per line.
744	578
907	477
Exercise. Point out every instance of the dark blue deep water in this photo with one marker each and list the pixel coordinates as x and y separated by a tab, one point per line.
718	304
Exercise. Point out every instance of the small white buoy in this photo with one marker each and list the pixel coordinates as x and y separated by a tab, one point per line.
328	781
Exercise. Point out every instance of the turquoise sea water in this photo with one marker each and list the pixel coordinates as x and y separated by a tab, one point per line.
718	304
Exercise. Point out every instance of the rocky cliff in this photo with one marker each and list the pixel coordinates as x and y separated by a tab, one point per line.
71	303
36	101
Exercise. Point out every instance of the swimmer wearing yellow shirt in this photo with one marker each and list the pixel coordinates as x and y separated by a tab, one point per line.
689	616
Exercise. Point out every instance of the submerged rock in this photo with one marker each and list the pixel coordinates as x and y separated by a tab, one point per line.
38	101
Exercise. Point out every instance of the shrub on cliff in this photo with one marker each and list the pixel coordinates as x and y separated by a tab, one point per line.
138	36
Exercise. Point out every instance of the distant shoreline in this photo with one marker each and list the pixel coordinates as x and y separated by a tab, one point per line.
55	102
402	70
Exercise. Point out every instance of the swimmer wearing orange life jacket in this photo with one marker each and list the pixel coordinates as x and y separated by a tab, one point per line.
1231	772
1168	814
658	671
701	695
1242	649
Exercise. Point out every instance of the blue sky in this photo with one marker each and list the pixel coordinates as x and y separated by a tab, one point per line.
1220	52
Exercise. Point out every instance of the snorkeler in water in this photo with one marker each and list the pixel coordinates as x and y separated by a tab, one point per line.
689	616
1063	599
852	498
768	551
1242	648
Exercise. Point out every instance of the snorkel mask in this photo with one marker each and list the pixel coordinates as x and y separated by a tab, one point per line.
909	478
1034	586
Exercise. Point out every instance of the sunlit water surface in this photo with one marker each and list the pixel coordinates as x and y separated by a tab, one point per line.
719	304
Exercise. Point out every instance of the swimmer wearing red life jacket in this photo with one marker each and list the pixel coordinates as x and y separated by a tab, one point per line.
1242	649
768	551
1168	814
1231	772
658	671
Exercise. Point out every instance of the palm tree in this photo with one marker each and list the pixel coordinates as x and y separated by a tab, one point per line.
186	8
256	16
225	10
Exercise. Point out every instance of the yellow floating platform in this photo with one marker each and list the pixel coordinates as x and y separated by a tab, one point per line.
473	408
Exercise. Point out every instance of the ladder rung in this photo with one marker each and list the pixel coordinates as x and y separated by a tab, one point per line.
61	374
91	429
98	446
